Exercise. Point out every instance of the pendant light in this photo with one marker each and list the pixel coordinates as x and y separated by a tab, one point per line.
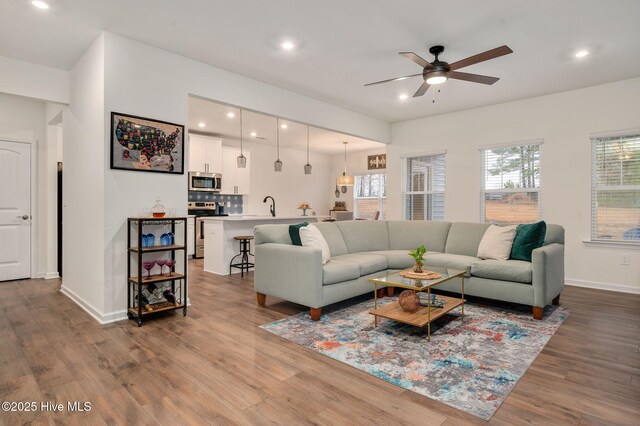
241	159
307	167
277	165
345	180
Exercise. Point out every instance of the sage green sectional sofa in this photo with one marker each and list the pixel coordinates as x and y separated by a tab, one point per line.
361	250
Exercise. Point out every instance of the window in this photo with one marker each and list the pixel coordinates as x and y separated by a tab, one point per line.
615	189
510	184
370	196
423	185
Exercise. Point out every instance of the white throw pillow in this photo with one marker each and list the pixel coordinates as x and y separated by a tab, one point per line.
496	242
312	237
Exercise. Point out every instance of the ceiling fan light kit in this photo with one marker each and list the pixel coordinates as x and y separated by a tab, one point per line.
437	72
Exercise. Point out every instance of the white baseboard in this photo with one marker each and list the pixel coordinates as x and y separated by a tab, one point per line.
47	275
604	286
91	310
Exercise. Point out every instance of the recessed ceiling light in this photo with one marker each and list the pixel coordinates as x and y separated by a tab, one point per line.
581	53
284	126
254	134
230	115
40	4
201	124
403	96
287	45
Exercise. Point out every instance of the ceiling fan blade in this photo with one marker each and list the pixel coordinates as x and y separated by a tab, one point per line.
481	57
422	90
474	78
417	59
393	79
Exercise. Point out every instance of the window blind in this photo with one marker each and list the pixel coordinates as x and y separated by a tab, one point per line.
615	188
423	186
510	184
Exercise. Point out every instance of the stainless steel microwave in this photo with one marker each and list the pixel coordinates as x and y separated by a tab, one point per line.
206	182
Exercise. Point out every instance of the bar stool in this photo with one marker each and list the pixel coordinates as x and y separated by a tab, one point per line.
245	252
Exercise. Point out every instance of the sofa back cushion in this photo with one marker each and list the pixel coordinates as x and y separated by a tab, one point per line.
410	234
464	238
364	235
555	234
272	234
332	234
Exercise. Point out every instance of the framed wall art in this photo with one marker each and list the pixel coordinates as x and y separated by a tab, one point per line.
375	162
146	145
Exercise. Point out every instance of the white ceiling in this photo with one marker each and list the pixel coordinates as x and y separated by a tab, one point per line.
214	116
345	44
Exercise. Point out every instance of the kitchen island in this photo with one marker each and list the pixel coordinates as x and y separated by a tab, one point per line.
219	245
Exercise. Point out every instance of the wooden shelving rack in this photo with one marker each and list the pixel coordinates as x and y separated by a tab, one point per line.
138	281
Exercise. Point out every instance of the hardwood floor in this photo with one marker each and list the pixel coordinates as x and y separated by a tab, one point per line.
217	367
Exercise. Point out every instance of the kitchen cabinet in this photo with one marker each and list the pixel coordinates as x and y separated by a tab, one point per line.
191	229
235	180
205	154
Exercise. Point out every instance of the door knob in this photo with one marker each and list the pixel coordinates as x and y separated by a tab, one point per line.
23	217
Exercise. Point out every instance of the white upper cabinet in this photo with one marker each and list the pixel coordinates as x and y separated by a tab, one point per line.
235	180
205	154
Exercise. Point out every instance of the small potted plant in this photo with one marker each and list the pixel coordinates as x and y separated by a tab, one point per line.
418	257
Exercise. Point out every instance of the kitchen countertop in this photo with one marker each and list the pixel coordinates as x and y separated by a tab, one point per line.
257	218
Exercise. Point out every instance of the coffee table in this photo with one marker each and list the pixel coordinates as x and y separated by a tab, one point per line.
426	314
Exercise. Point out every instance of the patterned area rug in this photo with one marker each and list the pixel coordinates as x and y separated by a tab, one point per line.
471	365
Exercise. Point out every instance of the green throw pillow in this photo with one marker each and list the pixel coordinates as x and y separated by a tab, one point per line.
528	238
294	233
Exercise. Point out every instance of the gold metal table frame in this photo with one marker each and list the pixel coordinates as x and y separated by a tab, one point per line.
424	315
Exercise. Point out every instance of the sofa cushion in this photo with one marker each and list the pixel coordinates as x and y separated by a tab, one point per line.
529	237
409	234
333	236
294	233
368	263
453	261
555	234
335	271
496	242
312	237
364	235
396	259
464	238
278	234
503	270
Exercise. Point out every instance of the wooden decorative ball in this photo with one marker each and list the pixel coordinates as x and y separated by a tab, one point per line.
409	301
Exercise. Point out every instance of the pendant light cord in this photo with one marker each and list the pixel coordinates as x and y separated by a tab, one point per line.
241	133
307	144
278	137
345	159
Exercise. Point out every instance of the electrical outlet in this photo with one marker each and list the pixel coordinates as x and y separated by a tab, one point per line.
625	259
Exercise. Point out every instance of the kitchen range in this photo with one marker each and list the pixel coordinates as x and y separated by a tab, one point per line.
200	210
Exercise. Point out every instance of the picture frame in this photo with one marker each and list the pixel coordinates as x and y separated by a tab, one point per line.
143	144
375	162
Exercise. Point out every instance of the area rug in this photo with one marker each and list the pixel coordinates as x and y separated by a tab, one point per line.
470	364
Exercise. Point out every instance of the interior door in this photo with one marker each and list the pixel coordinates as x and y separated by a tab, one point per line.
15	210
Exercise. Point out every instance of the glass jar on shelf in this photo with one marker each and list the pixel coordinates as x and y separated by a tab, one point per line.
158	209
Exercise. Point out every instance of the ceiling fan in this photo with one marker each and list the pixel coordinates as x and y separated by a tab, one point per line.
437	72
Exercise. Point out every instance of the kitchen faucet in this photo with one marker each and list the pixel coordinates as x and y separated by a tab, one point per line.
272	207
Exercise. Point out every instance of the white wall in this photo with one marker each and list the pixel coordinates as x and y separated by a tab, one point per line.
564	121
291	186
356	165
145	88
84	184
32	80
